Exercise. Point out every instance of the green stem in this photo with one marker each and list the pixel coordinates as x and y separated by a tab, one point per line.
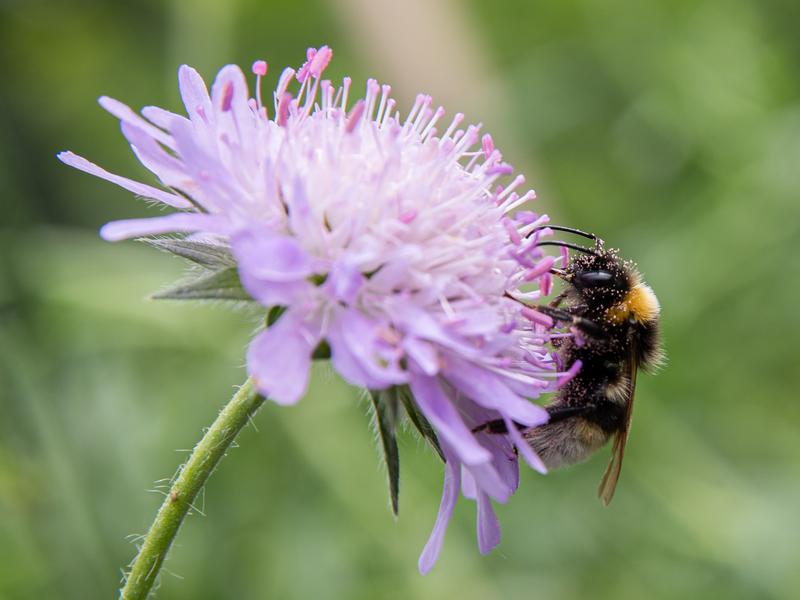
191	479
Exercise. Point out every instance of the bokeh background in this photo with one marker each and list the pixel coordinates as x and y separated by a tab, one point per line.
672	128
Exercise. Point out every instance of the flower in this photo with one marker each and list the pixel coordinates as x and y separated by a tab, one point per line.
380	236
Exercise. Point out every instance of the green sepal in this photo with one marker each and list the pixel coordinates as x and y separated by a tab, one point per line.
217	285
322	351
419	421
273	314
386	408
210	256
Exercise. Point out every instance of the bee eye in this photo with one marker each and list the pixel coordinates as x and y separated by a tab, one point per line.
593	279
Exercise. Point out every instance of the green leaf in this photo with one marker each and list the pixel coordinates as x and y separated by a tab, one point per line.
419	421
386	408
217	285
210	256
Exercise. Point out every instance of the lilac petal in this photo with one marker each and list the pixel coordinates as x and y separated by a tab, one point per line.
525	449
194	94
160	117
344	281
271	257
125	114
229	87
130	228
423	353
469	488
502	480
208	174
421	324
279	358
449	496
166	167
271	293
78	162
257	260
444	417
229	96
359	354
488	525
488	390
490	482
301	217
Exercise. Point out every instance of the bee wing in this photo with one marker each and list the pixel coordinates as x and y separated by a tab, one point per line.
609	481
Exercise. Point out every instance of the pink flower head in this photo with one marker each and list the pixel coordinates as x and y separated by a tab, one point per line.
385	236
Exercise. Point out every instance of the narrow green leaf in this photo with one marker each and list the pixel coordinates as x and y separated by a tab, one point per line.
386	408
210	256
218	285
419	421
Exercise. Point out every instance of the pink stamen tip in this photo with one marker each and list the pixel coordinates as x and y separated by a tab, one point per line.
488	145
355	116
537	317
302	74
502	169
546	284
525	217
408	216
283	109
283	82
513	234
542	267
573	370
508	327
319	62
577	336
564	256
227	96
260	67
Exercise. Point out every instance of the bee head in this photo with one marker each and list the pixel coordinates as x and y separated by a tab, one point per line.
600	278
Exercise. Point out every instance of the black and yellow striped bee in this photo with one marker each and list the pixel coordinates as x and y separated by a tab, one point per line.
615	318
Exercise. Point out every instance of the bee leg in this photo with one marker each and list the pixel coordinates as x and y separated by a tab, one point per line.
557	314
556	302
586	326
497	426
559	413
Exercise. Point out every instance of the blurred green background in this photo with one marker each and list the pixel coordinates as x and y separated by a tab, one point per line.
671	128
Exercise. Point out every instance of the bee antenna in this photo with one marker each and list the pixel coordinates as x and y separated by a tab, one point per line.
585	234
568	245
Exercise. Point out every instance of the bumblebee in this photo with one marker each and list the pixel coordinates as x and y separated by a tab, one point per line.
614	316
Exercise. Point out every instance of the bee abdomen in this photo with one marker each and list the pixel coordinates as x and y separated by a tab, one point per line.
648	339
566	442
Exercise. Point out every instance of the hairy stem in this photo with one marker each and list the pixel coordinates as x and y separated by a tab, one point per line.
191	479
